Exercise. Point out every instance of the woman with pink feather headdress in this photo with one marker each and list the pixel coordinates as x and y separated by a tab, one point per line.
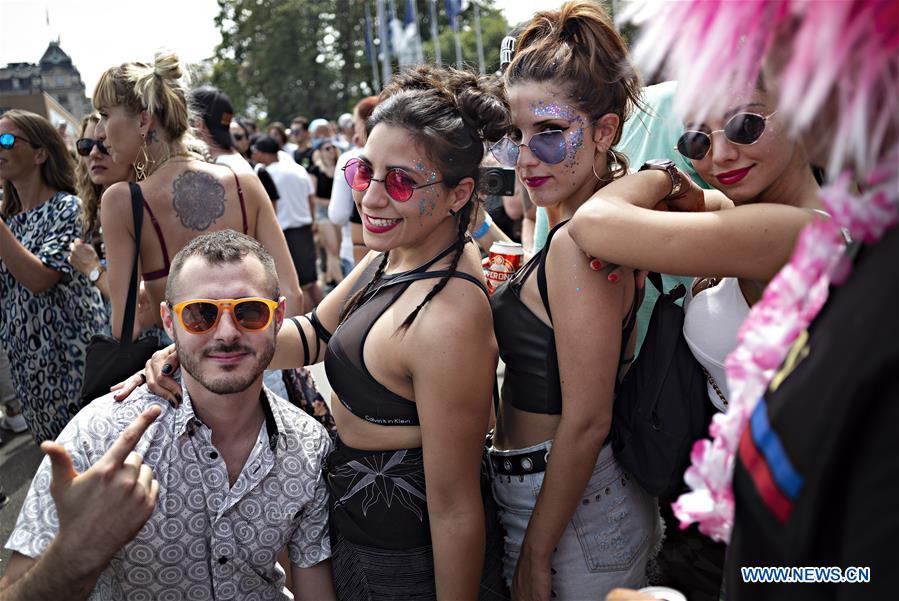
802	469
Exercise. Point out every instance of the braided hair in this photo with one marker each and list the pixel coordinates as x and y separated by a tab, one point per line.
449	114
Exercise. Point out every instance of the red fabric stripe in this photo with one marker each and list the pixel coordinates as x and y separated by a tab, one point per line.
755	464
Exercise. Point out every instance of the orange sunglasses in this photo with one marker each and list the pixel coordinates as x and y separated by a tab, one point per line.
202	314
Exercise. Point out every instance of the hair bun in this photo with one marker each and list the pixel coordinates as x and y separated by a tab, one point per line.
166	65
481	101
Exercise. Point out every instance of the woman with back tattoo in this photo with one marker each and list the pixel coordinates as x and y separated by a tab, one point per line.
144	118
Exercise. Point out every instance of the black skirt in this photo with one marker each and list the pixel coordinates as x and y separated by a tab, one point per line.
380	532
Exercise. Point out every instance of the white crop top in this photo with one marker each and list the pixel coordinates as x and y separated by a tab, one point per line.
711	321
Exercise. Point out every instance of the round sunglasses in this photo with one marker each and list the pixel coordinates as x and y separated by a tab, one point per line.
84	146
548	146
7	141
744	129
399	185
201	315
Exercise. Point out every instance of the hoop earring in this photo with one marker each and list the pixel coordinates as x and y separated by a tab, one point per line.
610	159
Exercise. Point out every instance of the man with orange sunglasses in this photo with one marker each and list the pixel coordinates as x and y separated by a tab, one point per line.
237	470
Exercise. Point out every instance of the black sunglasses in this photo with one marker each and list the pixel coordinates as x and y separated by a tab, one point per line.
743	129
238	137
85	145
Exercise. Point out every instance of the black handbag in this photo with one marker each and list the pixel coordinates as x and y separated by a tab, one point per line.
662	405
108	360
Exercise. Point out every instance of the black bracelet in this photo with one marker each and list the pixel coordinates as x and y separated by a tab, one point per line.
305	342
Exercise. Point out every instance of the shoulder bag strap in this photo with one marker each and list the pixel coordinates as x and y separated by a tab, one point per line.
137	210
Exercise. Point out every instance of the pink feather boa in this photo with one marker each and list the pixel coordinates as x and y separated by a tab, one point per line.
837	53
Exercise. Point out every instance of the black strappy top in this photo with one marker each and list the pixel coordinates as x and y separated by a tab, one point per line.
356	388
164	272
528	346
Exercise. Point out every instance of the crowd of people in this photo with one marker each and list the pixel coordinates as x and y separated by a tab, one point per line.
360	242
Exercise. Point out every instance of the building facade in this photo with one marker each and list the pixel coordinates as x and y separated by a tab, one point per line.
54	75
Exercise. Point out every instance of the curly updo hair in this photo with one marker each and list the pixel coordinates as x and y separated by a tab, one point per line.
577	49
449	114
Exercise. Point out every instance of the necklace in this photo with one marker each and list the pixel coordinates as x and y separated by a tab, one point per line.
183	156
789	304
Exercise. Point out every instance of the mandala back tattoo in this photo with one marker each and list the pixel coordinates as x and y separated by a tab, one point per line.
198	200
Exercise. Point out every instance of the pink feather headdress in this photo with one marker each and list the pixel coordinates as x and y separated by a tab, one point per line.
847	50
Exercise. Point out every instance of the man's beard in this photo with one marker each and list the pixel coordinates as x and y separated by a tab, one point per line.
227	383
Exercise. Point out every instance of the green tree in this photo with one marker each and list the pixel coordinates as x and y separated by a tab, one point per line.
282	58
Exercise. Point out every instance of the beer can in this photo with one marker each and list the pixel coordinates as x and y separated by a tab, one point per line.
503	261
664	593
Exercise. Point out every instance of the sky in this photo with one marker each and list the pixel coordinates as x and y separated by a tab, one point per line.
98	34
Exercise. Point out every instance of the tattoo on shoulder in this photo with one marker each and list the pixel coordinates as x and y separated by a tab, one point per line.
198	200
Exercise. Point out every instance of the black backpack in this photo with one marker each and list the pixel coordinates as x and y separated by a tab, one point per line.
662	405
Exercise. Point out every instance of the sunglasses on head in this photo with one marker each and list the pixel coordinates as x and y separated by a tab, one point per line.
743	128
399	185
85	145
548	146
7	141
201	315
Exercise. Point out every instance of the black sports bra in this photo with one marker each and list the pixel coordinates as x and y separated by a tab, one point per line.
356	388
528	346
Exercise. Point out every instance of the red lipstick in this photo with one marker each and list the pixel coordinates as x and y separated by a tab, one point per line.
729	178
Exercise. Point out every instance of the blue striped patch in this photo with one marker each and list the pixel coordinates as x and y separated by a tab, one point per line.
766	440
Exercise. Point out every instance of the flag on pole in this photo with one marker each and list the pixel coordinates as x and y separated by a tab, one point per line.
411	24
480	42
369	51
453	8
435	37
384	42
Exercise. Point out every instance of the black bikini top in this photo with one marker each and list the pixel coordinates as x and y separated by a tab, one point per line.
528	346
356	388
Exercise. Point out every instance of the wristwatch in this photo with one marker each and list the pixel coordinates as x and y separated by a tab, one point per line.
677	180
95	274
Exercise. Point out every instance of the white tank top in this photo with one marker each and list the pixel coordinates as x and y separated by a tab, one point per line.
711	321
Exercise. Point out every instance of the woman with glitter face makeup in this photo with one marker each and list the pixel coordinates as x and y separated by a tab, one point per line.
577	525
408	346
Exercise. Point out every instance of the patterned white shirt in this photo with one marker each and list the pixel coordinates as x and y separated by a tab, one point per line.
204	540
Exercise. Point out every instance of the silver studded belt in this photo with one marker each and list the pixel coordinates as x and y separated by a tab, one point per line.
520	465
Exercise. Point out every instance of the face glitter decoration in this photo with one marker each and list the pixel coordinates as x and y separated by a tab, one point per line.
428	201
552	110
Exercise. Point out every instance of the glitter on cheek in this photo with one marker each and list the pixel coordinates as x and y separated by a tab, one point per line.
575	142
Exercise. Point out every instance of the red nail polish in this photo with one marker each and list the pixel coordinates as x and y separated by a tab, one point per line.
595	264
613	277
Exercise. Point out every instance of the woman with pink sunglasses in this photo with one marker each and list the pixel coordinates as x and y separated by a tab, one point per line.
408	345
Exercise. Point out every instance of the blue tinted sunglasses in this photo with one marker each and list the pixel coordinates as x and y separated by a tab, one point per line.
7	141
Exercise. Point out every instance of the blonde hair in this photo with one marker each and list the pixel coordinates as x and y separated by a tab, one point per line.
88	191
57	172
157	89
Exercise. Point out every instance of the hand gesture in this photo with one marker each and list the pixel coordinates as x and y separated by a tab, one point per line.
83	257
157	375
102	509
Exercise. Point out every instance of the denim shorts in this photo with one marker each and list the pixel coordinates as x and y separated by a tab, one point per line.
613	533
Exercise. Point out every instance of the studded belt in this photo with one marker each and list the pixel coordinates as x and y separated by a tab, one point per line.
520	464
